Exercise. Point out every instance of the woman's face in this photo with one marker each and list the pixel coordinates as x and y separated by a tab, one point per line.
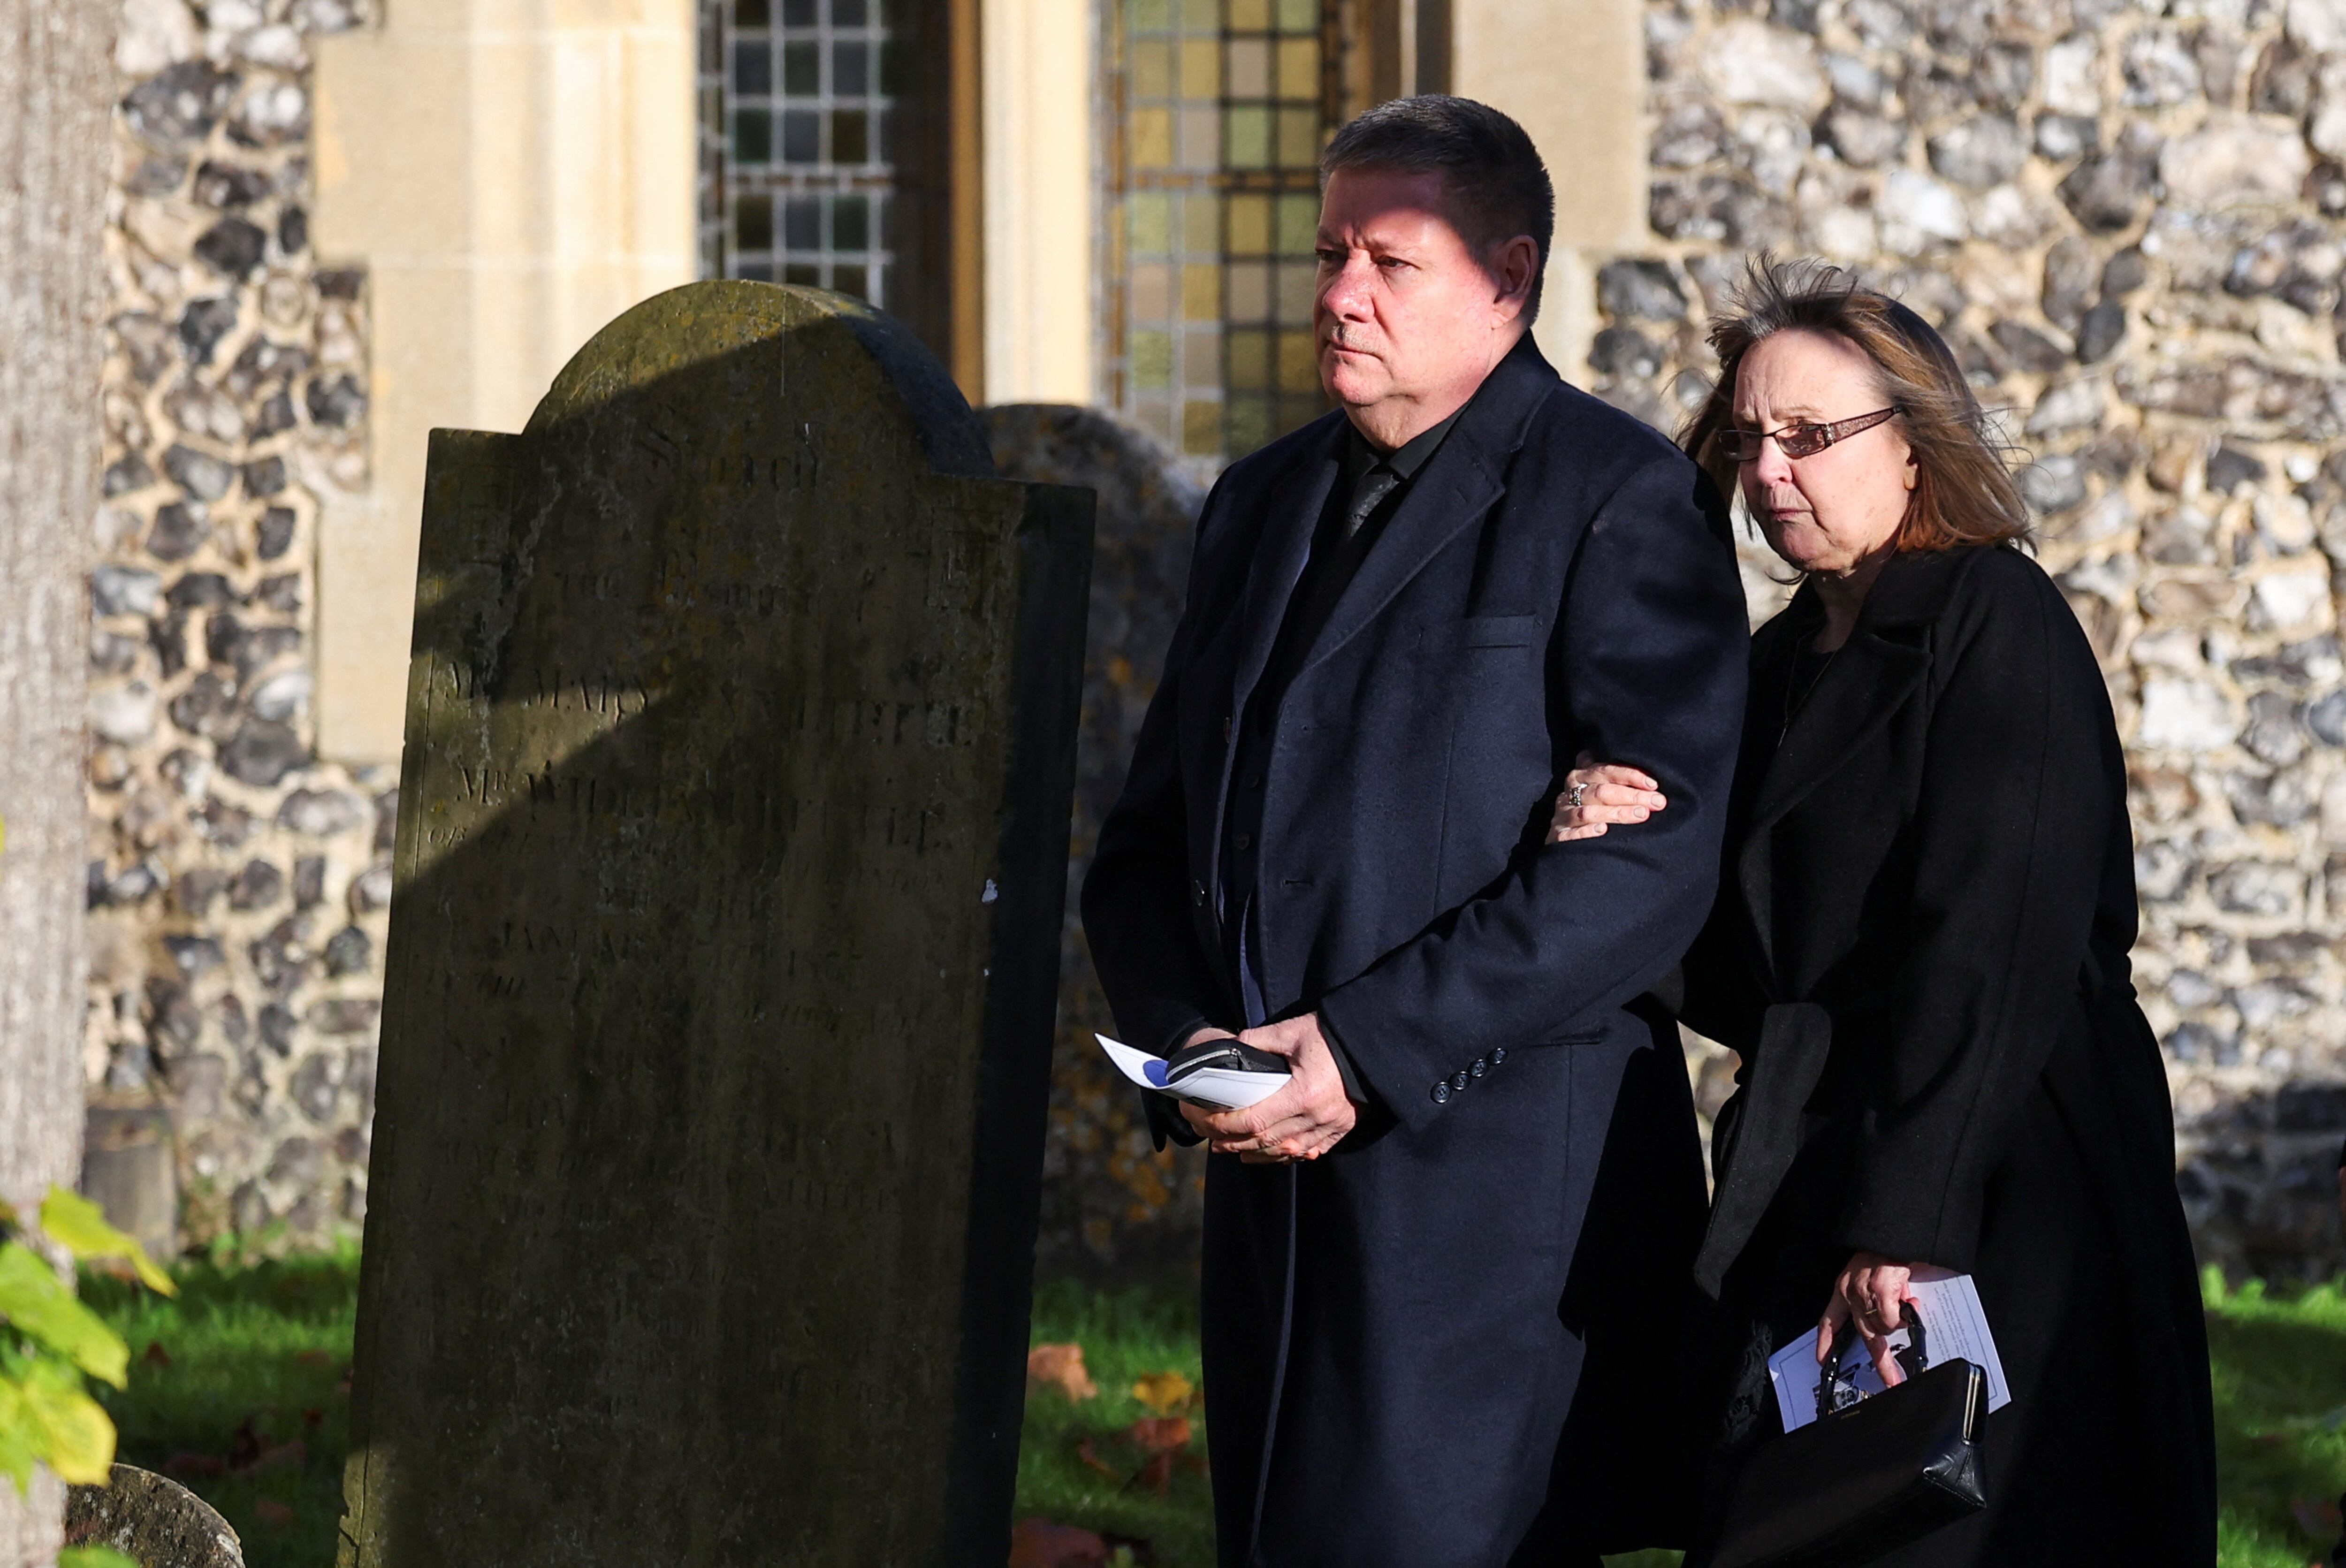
1834	510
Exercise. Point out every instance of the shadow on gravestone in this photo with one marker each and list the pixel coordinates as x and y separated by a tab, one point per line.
729	884
152	1519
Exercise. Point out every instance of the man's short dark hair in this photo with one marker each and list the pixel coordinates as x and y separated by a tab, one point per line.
1498	187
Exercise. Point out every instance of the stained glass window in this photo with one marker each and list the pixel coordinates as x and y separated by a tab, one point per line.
802	108
1212	212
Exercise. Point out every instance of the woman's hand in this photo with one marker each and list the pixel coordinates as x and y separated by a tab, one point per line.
1870	1289
1594	797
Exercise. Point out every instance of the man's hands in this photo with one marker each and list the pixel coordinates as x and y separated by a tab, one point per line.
1302	1120
1870	1288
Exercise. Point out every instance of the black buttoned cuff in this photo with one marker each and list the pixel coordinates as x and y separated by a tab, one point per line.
1466	1077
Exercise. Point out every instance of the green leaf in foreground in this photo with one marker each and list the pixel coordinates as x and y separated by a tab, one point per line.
20	1441
79	1226
39	1306
94	1557
73	1434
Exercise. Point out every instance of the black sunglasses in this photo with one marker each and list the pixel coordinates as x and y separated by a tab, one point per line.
1803	440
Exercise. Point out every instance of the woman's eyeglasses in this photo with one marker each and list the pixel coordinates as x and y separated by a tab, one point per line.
1801	440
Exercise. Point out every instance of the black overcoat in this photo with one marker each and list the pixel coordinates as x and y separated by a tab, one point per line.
1921	950
1407	1343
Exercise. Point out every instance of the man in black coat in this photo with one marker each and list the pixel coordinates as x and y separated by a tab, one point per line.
1443	1267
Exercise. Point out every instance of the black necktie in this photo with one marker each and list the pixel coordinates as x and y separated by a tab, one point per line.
1371	489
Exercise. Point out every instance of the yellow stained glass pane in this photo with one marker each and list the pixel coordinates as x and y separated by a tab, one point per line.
1299	366
1299	224
1202	429
1202	225
1250	362
1152	69
1250	15
1298	15
1299	69
1201	16
1299	137
1201	136
1249	287
1250	225
1248	142
1152	223
1202	362
1152	360
1249	60
1152	15
1152	294
1152	138
1201	67
1249	423
1202	292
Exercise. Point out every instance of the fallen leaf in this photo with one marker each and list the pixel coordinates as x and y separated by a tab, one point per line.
1039	1544
1062	1368
1084	1451
313	1357
280	1457
1163	1392
2317	1516
1133	1549
156	1356
270	1513
1156	1475
184	1466
244	1445
1160	1434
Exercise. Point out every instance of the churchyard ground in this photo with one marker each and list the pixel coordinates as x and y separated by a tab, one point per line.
240	1389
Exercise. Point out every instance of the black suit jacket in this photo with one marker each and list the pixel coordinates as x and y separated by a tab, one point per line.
1397	1334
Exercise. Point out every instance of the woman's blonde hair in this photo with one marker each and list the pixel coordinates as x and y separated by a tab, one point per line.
1963	490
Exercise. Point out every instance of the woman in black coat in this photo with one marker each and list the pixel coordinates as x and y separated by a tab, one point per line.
1920	951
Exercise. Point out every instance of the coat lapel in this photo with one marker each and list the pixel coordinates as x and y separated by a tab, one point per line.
1870	678
1290	513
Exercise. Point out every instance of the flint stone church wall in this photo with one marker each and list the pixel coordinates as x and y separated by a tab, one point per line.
2127	218
236	885
2131	217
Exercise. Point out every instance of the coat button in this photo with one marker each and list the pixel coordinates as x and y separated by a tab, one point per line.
1246	842
1458	1079
1498	1054
1441	1093
1478	1067
1196	893
1254	780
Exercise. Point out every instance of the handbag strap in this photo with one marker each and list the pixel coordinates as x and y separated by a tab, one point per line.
1830	1381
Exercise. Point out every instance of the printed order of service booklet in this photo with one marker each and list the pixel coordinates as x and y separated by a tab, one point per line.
1218	1088
1954	1328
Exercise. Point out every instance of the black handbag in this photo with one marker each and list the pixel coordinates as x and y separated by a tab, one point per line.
1869	1474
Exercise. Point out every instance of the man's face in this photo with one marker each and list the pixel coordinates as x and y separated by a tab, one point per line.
1408	318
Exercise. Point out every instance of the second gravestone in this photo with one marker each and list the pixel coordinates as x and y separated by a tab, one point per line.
732	846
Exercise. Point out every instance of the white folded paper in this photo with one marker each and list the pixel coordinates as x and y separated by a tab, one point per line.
1955	1328
1215	1087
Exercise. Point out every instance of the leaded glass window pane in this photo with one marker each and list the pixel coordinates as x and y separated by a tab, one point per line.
798	177
1214	202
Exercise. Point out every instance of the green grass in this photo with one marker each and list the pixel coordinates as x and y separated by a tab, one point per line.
247	1362
2280	1419
253	1358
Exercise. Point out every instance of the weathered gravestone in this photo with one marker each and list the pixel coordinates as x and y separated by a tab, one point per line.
732	839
